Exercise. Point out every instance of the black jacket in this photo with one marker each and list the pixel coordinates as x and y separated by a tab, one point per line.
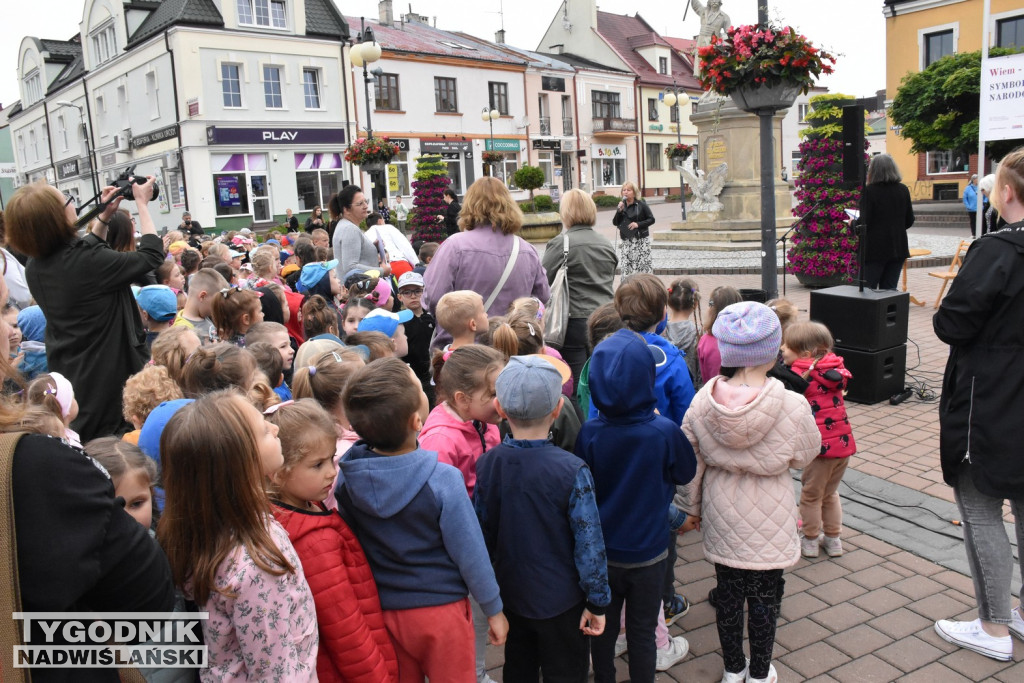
94	334
886	210
78	550
982	319
451	218
639	213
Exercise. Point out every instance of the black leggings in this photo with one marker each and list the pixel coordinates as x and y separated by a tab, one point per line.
762	592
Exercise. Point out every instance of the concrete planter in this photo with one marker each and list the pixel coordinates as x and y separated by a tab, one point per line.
538	228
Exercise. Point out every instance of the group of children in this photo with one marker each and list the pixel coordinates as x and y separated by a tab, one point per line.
349	505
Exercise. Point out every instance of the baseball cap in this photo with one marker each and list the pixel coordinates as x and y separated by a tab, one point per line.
158	301
410	279
235	254
153	427
312	273
379	320
529	387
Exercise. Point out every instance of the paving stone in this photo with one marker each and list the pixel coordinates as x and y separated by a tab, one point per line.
910	653
841	617
859	640
800	634
874	577
929	636
880	601
838	591
815	659
703	640
955	580
820	572
934	673
899	623
938	606
795	584
919	565
973	665
800	605
868	669
857	559
700	614
917	587
1014	674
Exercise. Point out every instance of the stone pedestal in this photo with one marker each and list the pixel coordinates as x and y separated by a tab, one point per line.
727	134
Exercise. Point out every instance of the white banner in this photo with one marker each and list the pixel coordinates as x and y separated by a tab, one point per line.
1002	98
8	170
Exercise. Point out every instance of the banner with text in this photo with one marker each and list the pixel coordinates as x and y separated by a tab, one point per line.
1002	98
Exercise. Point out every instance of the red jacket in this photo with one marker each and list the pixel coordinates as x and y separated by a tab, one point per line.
828	378
354	645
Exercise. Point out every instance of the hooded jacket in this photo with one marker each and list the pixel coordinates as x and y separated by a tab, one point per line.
743	491
458	442
672	384
982	320
417	528
827	379
636	456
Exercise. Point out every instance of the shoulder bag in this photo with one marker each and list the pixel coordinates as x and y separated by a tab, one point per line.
556	320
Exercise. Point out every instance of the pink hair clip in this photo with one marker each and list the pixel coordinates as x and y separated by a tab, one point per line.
274	408
446	355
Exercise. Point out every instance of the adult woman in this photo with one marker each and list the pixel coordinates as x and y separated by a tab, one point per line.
633	218
315	220
451	212
886	213
592	262
991	221
476	258
982	319
120	236
94	335
352	248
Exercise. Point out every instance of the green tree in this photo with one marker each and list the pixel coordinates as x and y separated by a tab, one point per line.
938	108
528	178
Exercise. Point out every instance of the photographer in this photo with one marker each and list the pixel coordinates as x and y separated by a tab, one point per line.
190	227
94	334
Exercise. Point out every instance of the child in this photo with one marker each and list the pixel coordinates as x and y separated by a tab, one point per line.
324	380
320	278
376	289
276	335
426	254
234	311
144	391
709	360
602	323
521	333
216	367
419	330
391	325
202	288
461	313
786	311
355	310
378	344
684	328
807	349
158	306
320	319
787	314
133	474
354	645
748	431
54	392
537	509
268	363
32	323
173	347
417	527
227	553
637	458
640	301
11	313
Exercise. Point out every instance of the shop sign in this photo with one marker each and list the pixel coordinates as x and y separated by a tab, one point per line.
155	136
440	146
502	145
656	126
218	135
403	143
608	151
547	144
392	178
67	169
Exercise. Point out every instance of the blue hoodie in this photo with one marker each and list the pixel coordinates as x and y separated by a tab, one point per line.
417	527
636	456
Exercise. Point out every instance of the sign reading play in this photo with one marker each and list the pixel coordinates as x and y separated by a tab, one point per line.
1002	98
218	135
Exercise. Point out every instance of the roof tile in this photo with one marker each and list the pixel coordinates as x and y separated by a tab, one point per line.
619	30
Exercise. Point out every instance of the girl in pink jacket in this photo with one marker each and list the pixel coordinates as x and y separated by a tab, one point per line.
747	431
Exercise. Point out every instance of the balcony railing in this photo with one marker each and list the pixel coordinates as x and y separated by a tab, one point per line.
614	125
567	126
545	125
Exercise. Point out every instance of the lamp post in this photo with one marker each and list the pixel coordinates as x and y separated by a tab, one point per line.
366	51
489	115
673	96
88	144
769	262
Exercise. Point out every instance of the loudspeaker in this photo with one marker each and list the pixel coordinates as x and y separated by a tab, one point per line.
877	375
868	320
854	170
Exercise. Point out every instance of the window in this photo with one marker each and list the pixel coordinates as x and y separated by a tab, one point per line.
101	118
945	161
802	111
566	115
62	132
546	163
663	65
33	87
499	97
609	172
231	85
272	87
311	88
445	99
794	162
386	88
652	109
153	94
673	113
240	185
398	179
317	177
104	44
653	156
46	141
605	104
508	170
33	142
266	13
937	45
122	107
1010	32
21	150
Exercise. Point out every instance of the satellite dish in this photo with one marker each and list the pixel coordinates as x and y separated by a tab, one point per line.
524	122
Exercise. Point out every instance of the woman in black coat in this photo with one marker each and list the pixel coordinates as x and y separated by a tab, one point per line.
633	218
982	320
887	213
451	212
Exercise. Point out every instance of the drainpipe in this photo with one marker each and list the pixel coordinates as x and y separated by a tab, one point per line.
639	151
344	88
177	120
49	141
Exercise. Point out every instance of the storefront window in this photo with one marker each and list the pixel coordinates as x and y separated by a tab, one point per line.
609	172
398	175
240	185
454	161
317	177
546	163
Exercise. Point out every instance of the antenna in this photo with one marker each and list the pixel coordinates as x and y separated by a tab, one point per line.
500	13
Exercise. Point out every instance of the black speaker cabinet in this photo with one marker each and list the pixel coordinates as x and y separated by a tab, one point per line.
877	375
867	320
854	170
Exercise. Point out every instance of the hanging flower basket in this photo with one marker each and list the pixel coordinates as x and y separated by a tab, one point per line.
373	151
492	157
766	98
679	152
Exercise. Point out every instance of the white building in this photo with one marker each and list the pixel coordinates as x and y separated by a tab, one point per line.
239	107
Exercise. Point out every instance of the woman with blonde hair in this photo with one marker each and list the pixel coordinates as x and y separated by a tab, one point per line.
633	218
591	272
487	257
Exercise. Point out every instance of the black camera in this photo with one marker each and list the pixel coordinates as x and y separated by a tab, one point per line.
124	182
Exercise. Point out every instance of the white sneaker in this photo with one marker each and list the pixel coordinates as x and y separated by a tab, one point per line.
772	676
808	546
970	635
672	655
620	645
833	546
736	678
1017	625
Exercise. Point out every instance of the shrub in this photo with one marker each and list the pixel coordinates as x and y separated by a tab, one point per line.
542	202
604	201
528	178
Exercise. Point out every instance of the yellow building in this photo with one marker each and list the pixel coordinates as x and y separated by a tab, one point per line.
918	32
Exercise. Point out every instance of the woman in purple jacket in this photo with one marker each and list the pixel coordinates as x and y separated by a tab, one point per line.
477	257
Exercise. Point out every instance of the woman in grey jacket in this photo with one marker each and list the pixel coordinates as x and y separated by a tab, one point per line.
352	248
592	261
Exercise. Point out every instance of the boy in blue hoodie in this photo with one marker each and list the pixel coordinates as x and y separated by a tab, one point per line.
539	516
417	527
637	458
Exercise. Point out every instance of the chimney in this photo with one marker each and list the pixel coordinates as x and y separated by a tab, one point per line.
499	36
387	14
557	48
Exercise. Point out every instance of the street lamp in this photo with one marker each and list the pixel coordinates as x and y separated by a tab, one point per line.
488	115
88	145
673	96
364	52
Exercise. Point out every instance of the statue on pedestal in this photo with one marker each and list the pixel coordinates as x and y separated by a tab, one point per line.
713	21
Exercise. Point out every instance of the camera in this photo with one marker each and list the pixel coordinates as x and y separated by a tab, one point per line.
123	184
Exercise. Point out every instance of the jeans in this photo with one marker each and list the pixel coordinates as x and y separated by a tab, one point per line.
988	547
883	274
762	591
640	589
554	647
